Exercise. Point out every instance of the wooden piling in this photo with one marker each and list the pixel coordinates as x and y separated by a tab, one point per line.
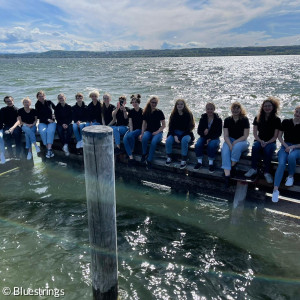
98	153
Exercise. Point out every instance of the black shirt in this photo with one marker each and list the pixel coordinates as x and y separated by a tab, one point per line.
291	131
180	122
136	117
94	112
154	120
79	113
121	121
107	113
63	114
1	120
28	118
236	129
9	115
215	130
266	128
45	111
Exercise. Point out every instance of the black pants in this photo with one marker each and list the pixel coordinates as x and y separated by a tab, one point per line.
11	138
64	134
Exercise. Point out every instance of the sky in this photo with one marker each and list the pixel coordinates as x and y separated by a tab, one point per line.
109	25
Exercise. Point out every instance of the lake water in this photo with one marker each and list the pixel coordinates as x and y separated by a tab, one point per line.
171	245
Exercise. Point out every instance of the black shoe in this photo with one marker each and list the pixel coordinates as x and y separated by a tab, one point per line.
183	165
168	161
211	168
148	165
233	171
198	166
117	151
131	162
227	181
143	159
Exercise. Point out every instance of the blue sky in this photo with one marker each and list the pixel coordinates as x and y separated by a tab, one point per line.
101	25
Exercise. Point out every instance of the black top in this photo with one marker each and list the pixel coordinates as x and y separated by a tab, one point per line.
45	111
107	113
136	117
63	114
27	118
9	115
1	120
94	112
121	121
154	120
79	113
266	128
291	131
181	122
236	129
215	130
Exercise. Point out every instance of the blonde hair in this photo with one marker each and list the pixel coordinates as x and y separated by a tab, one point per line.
147	109
107	95
26	99
243	112
78	95
92	93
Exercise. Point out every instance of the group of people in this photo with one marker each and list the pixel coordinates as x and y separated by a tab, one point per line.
148	124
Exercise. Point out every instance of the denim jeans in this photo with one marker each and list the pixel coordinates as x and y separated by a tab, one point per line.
155	139
118	132
8	139
234	155
29	135
184	143
129	140
267	153
284	157
77	129
92	123
212	148
64	134
2	148
47	132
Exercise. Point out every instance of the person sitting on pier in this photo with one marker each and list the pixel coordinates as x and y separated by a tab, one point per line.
63	115
2	147
94	109
265	130
11	127
107	109
27	117
47	126
80	117
289	138
120	115
135	117
209	130
181	125
152	129
236	132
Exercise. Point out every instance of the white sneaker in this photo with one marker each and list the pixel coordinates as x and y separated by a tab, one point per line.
250	173
168	161
81	144
29	155
268	177
275	196
78	145
289	181
2	156
37	148
66	149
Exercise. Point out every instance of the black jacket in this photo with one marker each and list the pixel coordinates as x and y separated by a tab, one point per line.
215	130
45	111
63	114
79	113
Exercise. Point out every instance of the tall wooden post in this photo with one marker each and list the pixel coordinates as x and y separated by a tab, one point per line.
101	204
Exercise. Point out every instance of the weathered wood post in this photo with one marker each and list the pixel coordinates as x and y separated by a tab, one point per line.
101	204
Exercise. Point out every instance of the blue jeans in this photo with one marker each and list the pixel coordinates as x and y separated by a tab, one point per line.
234	155
2	148
64	134
267	153
92	123
284	157
212	148
118	132
184	143
129	140
155	139
29	135
8	139
78	131
47	132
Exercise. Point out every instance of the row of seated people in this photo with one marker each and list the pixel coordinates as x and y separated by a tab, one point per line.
148	124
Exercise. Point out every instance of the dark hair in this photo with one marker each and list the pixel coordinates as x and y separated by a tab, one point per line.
136	98
122	98
185	110
147	109
275	103
40	93
239	105
8	97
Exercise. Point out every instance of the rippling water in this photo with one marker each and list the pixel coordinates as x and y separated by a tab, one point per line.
171	245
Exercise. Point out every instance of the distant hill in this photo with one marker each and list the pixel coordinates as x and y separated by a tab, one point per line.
194	52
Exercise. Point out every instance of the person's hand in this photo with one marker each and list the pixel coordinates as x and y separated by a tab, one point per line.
155	132
176	139
263	144
289	149
65	126
207	141
140	137
205	131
